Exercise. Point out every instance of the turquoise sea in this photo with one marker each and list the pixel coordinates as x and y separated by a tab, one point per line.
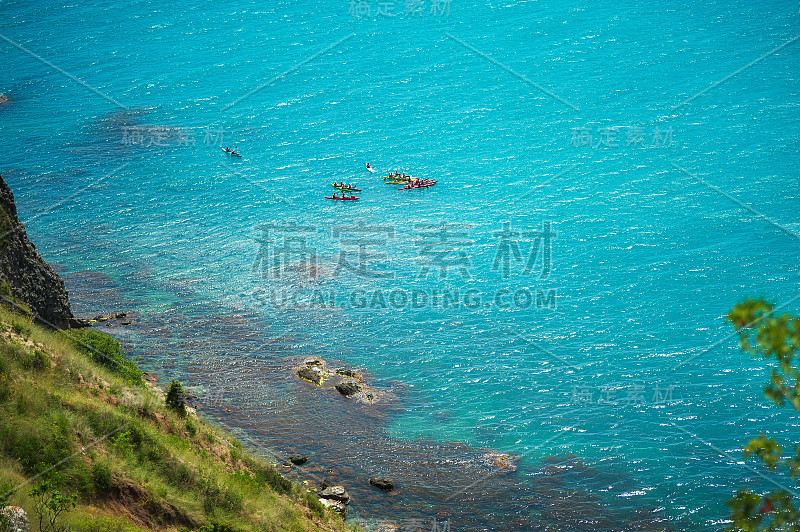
612	179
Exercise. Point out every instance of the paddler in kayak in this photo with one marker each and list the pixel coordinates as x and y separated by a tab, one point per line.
369	167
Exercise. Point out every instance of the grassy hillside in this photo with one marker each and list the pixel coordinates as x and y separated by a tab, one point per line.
81	433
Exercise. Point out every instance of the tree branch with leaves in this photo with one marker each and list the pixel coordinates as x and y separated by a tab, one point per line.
776	339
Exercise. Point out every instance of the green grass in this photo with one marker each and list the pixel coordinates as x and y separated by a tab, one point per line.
131	462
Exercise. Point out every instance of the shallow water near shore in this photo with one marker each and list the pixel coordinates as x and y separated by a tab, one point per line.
559	295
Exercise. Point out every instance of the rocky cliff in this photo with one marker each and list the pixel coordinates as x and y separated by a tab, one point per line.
25	278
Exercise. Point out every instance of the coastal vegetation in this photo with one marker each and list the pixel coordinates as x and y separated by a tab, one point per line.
87	445
776	339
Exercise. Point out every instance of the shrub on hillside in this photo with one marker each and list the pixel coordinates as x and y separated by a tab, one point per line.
216	497
5	383
176	398
270	477
107	352
23	356
36	447
101	475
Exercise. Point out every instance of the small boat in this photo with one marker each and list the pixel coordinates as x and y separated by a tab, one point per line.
344	188
352	198
370	168
419	184
230	152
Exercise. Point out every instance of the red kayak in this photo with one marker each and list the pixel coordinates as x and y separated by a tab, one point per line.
419	184
342	197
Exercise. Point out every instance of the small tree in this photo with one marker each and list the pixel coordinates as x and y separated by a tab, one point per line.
176	398
50	505
777	340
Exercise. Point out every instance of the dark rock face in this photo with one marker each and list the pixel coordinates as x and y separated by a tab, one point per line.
382	483
24	276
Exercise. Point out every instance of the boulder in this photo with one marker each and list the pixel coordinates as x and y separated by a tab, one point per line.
347	373
336	493
309	374
298	459
384	484
337	506
16	518
348	388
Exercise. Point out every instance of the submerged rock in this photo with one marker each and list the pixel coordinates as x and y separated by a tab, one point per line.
384	484
298	459
17	519
501	461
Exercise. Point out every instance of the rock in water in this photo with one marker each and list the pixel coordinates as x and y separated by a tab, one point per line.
348	388
17	519
336	493
25	278
501	461
382	483
309	374
298	459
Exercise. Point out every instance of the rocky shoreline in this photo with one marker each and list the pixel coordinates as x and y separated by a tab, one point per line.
299	405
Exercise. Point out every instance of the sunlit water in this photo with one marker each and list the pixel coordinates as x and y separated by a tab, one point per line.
588	213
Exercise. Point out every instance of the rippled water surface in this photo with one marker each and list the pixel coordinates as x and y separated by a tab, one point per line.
611	180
